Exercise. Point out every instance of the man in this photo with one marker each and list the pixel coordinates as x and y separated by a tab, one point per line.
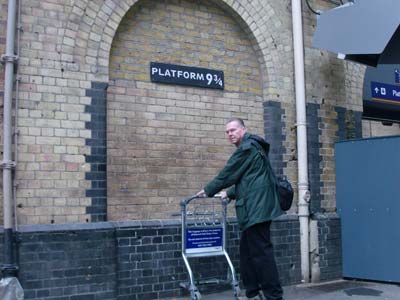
247	171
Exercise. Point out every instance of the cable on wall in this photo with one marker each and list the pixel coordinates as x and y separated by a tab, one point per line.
310	8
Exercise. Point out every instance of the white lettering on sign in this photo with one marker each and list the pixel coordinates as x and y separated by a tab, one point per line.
396	93
178	74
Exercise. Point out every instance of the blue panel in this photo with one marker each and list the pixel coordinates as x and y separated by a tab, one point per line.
368	202
385	92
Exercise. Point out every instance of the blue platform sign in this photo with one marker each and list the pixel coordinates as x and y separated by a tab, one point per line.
203	239
385	92
381	93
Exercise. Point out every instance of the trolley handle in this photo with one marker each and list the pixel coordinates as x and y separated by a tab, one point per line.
186	201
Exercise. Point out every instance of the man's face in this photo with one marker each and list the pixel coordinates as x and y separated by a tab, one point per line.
235	132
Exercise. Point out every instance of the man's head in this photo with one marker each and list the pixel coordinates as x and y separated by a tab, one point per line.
235	130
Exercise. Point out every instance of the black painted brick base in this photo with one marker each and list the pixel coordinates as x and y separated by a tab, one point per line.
330	246
98	151
314	158
349	124
274	129
140	260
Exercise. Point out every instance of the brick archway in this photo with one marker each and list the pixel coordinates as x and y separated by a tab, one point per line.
174	135
87	44
92	26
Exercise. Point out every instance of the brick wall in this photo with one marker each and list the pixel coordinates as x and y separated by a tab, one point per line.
163	141
65	51
133	260
375	128
51	151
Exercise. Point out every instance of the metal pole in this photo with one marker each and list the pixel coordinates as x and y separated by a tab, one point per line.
9	267
303	193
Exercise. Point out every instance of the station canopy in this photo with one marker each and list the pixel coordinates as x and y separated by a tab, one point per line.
363	31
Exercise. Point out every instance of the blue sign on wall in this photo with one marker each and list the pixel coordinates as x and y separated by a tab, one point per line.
385	92
203	239
381	93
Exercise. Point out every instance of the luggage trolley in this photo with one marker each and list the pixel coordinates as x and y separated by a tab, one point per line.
204	235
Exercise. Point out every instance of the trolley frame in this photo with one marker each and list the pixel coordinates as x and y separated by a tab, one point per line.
207	237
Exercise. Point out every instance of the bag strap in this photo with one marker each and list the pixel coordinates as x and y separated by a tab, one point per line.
265	156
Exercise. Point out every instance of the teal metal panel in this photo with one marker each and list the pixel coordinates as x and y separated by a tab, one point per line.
368	202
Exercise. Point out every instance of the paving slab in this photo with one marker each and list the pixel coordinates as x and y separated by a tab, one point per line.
332	290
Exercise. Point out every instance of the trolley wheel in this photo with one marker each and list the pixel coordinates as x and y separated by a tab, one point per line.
196	296
236	291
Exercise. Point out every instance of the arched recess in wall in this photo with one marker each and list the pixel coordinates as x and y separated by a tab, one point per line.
164	142
92	25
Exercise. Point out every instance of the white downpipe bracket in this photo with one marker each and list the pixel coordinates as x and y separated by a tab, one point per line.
303	194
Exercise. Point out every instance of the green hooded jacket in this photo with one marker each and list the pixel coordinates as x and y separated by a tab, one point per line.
248	173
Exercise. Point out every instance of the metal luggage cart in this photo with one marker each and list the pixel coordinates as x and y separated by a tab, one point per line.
204	235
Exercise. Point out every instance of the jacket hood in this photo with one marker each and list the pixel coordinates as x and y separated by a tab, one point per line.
247	137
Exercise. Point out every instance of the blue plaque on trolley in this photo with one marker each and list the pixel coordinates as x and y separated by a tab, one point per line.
203	239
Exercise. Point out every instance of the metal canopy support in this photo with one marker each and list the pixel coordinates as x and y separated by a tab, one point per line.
366	31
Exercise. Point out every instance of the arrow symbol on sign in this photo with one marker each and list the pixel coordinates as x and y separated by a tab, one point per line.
376	90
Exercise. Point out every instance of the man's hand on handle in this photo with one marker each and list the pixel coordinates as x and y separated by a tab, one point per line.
201	194
222	194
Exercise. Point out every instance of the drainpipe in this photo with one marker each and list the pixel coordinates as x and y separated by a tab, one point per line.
302	164
9	268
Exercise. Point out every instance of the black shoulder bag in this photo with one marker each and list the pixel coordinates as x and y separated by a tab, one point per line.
284	189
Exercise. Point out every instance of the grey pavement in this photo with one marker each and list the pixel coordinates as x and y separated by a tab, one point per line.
333	290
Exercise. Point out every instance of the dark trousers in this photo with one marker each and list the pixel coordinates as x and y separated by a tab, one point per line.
257	263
